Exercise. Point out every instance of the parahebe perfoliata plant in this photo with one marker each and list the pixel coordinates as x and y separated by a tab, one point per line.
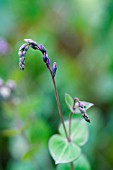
65	147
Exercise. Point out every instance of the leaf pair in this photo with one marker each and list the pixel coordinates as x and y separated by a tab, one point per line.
63	151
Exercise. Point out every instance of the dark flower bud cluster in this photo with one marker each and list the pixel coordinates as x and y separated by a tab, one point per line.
22	52
82	109
84	114
30	43
47	60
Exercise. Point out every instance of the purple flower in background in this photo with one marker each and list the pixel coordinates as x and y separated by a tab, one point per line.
4	46
11	85
7	89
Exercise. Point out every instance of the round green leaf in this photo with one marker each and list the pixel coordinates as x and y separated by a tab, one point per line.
69	101
79	131
62	151
80	164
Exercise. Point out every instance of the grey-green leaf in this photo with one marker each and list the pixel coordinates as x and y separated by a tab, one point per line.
79	131
69	101
80	164
62	151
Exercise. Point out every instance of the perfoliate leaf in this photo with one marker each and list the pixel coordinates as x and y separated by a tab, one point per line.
79	131
80	164
63	151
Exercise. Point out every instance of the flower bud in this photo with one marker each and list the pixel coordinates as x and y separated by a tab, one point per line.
22	59
54	68
46	59
32	43
24	53
35	47
20	53
21	66
82	110
26	48
22	47
85	116
42	49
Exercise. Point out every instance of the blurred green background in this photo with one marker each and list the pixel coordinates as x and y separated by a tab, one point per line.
78	35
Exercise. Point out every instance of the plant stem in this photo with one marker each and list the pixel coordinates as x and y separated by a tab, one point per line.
70	118
71	166
58	104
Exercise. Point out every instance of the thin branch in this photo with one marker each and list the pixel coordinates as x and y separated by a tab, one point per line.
70	119
58	104
71	166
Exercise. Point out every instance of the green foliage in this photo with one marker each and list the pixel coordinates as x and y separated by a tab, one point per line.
10	132
38	132
30	153
63	151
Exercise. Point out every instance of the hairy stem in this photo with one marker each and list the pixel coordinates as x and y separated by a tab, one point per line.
71	166
58	104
